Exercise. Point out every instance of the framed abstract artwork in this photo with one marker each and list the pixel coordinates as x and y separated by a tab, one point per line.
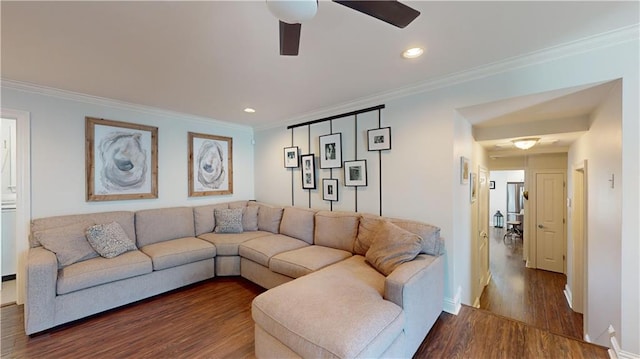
331	151
210	165
355	173
330	189
121	160
464	170
379	139
291	159
308	171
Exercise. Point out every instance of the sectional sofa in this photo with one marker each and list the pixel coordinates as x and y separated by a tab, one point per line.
340	284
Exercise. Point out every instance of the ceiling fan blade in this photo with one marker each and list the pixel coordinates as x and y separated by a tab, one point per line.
289	38
389	11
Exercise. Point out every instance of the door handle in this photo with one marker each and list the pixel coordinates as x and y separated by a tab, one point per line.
540	226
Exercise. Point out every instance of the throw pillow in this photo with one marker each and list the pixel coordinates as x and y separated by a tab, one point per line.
367	230
109	239
250	218
68	243
228	220
391	247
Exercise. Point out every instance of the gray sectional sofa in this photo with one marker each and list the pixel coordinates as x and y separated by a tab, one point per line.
340	284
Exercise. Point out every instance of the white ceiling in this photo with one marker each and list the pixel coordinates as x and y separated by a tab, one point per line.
213	59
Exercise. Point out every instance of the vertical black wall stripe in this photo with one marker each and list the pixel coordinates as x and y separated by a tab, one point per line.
292	177
356	146
380	165
331	169
309	147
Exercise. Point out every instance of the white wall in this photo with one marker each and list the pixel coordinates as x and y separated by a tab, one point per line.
601	148
58	178
498	196
421	179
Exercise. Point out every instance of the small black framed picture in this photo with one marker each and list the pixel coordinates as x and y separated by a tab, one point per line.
379	139
330	189
355	173
308	171
331	151
492	184
291	159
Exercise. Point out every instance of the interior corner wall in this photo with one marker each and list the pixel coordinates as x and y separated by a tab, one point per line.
421	179
58	178
601	147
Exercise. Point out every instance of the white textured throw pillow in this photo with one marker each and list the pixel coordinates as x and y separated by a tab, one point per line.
228	220
109	239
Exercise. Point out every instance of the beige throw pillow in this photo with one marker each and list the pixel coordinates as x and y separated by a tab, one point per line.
367	230
391	247
109	239
68	243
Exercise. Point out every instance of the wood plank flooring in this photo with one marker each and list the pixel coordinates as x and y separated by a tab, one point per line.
532	296
212	319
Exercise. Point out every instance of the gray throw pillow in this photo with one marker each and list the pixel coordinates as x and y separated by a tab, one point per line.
68	243
109	239
391	247
228	220
250	218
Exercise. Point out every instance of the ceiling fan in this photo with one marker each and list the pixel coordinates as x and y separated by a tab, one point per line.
292	13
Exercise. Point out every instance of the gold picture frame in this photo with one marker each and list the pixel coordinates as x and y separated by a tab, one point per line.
210	165
121	160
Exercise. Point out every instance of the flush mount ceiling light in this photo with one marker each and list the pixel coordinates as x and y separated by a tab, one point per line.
413	52
525	143
249	110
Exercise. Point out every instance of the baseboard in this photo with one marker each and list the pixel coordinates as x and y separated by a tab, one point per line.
616	352
453	305
568	295
9	277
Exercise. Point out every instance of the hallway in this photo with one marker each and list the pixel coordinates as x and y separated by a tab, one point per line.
532	296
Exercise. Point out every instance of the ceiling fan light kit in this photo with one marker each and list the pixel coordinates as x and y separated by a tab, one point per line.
525	143
413	53
292	14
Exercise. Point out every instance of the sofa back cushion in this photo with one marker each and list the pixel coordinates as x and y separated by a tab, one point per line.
370	224
238	204
124	218
158	225
336	229
269	216
204	217
298	223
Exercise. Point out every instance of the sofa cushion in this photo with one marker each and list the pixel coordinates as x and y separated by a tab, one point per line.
391	247
336	229
250	218
204	219
305	260
298	223
227	243
67	242
260	250
179	251
157	225
268	217
331	313
228	220
367	229
101	270
109	239
238	204
431	241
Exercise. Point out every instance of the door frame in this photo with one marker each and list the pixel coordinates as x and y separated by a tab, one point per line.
23	196
578	286
532	242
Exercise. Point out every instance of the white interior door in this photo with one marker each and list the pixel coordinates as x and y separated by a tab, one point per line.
550	221
483	228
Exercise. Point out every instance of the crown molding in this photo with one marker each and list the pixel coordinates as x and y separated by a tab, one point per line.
106	102
596	42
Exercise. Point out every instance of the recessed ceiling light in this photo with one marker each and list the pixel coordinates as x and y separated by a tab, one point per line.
249	110
412	53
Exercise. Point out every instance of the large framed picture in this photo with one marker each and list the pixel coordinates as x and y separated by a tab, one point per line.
308	171
291	159
121	160
210	165
330	189
379	139
355	173
331	151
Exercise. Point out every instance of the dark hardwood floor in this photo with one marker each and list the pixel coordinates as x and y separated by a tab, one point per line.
212	319
528	295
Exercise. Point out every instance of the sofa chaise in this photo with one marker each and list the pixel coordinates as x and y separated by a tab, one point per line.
340	284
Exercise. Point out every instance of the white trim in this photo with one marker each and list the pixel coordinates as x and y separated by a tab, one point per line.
616	352
101	101
568	295
453	305
476	303
599	41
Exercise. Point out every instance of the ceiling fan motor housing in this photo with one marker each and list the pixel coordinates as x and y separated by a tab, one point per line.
293	12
